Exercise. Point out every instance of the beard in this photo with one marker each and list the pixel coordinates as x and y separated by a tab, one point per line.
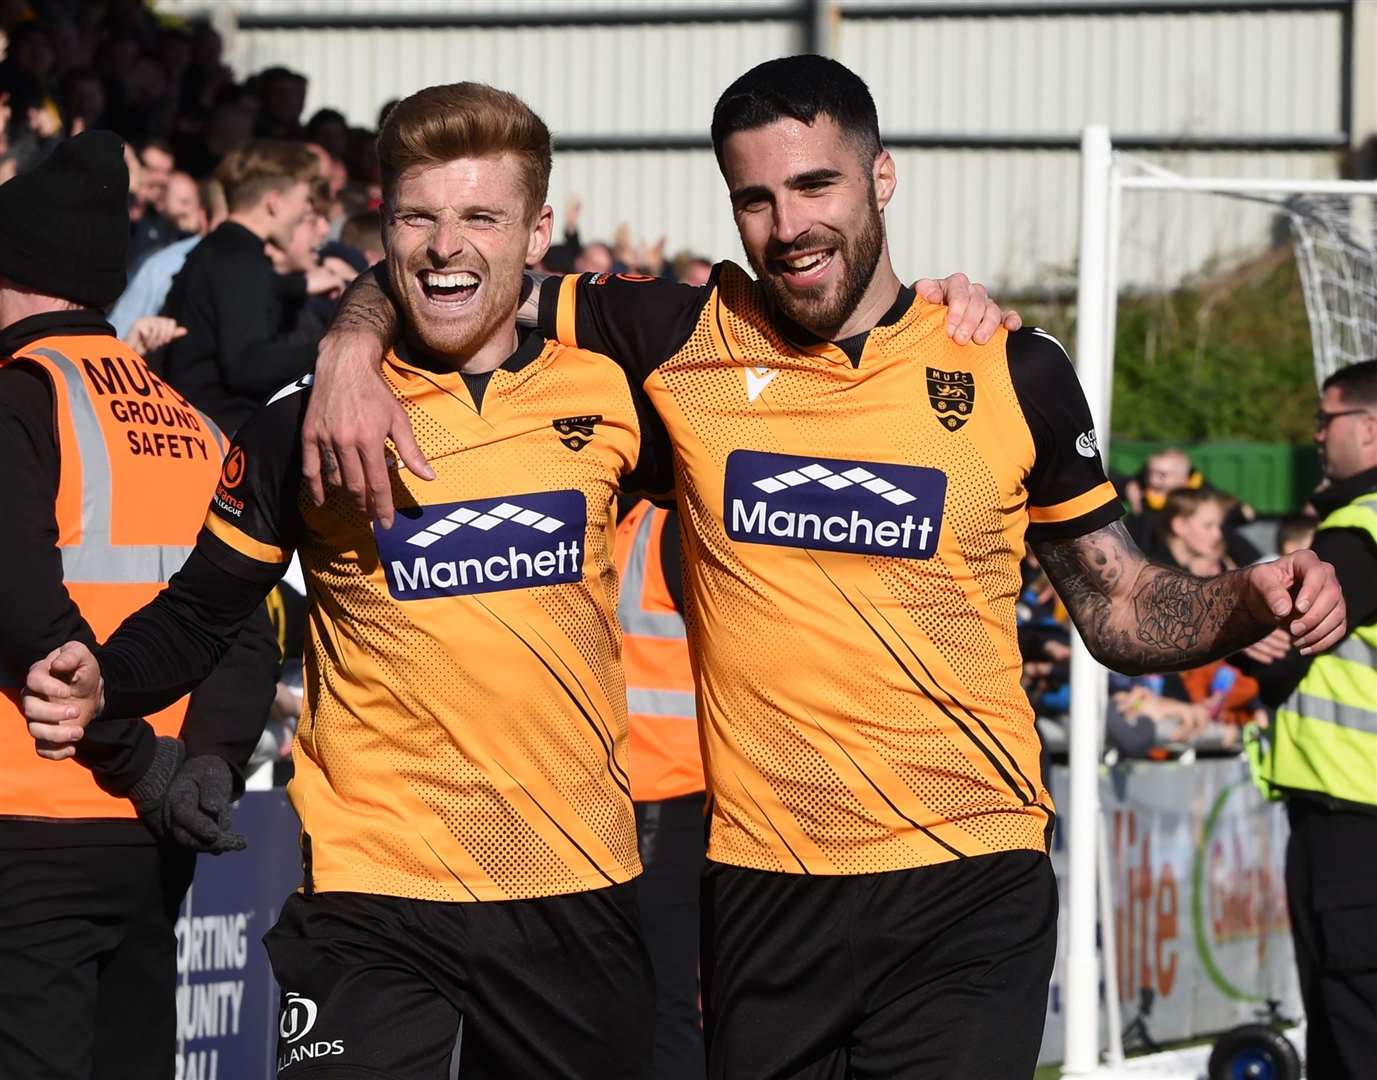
454	331
823	310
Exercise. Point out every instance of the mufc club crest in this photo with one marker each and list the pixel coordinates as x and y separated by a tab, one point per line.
952	394
576	431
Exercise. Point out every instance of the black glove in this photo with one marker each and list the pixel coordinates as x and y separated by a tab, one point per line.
186	802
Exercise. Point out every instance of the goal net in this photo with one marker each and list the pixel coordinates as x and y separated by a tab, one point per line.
1335	239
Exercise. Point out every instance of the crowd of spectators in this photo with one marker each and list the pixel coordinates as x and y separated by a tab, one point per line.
1179	519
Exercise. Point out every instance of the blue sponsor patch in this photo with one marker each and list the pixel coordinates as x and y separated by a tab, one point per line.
865	507
486	545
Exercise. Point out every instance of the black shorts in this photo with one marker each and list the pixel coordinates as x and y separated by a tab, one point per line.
384	987
928	974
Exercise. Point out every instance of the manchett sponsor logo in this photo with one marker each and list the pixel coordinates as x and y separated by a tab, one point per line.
485	545
864	507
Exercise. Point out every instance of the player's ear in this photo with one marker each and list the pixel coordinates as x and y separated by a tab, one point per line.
541	230
882	173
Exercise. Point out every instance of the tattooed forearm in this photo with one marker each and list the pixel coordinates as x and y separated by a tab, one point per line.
1136	616
367	306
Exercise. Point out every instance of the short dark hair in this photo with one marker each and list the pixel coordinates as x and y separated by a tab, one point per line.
1295	528
1357	383
799	88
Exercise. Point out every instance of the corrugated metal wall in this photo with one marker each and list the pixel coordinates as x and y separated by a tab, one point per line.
1008	216
1236	73
583	80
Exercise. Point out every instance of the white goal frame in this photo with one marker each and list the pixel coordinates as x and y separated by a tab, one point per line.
1105	177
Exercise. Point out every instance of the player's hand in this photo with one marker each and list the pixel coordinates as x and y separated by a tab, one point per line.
971	314
1275	646
151	332
63	693
1303	597
350	414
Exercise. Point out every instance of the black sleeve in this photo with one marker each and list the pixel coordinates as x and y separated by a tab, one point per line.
638	321
254	354
32	583
226	714
168	647
653	475
1069	494
1354	558
671	564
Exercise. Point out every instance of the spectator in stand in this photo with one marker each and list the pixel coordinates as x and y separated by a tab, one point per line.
1296	531
304	318
181	205
26	70
692	269
1190	532
235	354
363	233
151	230
1167	471
82	100
283	93
228	127
158	161
329	129
149	286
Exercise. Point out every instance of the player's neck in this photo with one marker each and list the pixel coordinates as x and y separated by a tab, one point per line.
490	355
482	358
875	302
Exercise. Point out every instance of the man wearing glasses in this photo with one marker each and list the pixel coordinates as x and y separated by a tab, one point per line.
1321	754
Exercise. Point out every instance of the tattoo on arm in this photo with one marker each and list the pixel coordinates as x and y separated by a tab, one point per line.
367	305
1136	616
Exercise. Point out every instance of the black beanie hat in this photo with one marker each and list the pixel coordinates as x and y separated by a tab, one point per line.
64	225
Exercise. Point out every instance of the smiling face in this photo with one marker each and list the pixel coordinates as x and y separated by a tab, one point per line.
458	237
808	208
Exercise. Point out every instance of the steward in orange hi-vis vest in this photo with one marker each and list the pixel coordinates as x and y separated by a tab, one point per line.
137	461
665	761
104	471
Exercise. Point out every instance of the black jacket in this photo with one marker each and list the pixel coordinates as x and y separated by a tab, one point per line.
234	355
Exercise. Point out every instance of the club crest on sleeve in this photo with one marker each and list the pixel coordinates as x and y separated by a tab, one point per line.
952	394
576	432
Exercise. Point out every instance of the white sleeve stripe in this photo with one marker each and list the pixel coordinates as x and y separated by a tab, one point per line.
296	387
1044	334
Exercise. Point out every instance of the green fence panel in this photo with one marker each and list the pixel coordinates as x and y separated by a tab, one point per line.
1274	478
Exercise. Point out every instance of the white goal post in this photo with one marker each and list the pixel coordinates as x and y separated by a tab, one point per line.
1105	177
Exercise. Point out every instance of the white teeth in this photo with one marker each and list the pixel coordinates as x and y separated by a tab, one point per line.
449	281
806	262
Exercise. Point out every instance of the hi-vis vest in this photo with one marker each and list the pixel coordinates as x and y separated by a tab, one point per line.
138	466
666	760
1324	739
